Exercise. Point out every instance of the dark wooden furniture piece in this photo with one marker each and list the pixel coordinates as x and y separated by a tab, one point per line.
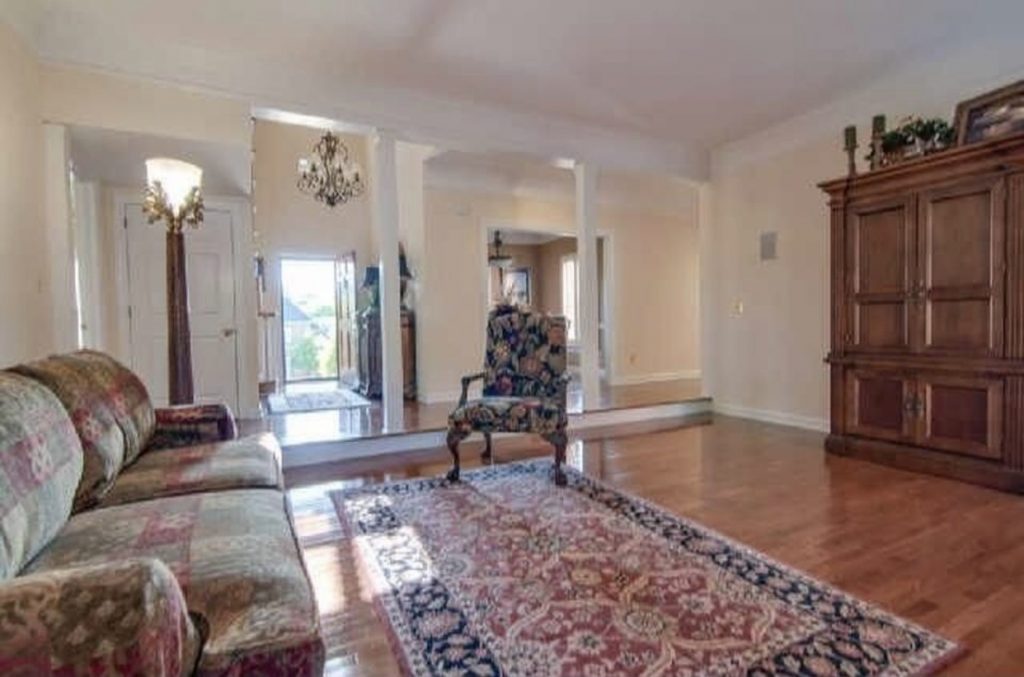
371	358
927	342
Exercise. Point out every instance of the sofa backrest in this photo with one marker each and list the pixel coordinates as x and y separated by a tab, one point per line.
40	467
110	409
127	396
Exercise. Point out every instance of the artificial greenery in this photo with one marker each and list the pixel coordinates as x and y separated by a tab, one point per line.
930	135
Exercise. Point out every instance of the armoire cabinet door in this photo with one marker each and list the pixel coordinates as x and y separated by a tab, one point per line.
879	404
880	258
963	414
959	290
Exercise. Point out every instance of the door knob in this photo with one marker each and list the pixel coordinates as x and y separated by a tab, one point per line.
228	332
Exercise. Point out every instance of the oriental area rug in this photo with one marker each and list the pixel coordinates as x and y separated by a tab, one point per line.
507	574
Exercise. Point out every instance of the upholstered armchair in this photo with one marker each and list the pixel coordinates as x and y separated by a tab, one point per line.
524	385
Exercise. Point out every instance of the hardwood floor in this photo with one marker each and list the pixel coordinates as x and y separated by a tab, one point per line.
341	424
947	555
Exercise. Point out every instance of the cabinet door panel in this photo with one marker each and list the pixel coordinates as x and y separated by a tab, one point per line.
879	404
961	414
960	269
881	254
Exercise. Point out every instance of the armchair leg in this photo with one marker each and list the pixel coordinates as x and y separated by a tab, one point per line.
559	440
560	478
486	455
454	437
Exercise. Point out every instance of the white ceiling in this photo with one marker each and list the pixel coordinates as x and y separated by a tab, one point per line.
118	159
672	77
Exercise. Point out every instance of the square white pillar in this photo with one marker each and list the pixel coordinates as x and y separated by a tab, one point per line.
385	223
586	256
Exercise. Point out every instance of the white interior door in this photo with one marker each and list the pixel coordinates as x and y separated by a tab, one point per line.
211	294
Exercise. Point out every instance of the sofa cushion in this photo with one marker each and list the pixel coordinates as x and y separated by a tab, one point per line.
40	465
235	556
102	439
127	396
250	462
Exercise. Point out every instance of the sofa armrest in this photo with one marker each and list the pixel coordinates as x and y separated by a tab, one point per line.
111	619
190	424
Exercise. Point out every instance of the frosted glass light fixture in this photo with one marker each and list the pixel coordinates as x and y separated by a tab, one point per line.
173	192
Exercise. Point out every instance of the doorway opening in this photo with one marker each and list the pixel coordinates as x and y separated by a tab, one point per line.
319	344
309	313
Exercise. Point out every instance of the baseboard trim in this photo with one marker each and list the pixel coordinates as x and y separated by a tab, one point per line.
769	416
656	377
313	453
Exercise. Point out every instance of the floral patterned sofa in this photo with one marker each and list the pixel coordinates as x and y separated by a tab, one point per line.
136	541
524	385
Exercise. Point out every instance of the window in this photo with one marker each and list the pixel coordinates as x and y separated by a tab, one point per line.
570	296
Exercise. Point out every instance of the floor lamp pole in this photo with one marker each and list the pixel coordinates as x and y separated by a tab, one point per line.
179	334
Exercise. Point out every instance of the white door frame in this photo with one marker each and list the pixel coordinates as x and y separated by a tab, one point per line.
607	269
246	351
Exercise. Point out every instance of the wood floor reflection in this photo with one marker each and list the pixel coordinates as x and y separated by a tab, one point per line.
342	424
946	555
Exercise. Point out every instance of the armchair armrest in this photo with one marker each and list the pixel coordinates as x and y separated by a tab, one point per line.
466	381
189	424
112	619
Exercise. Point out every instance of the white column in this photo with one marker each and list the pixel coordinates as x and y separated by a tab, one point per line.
60	242
586	257
385	213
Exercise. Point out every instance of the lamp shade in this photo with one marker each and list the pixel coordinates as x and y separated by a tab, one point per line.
176	177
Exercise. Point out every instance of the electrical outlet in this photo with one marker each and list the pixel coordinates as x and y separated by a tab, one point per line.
737	308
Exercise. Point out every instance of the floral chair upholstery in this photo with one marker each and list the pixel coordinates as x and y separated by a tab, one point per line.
524	385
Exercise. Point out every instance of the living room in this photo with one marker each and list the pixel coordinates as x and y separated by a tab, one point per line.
669	340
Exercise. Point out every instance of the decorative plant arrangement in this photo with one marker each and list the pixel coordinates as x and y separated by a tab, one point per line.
913	138
986	117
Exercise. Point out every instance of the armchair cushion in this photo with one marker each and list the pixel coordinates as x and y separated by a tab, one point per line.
508	414
40	465
250	462
124	618
190	424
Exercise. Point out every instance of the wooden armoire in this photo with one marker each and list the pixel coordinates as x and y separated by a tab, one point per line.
927	342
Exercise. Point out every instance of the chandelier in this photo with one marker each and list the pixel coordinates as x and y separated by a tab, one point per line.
328	174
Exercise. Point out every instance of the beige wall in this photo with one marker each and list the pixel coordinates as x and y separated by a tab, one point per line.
551	254
767	362
654	258
291	223
523	256
81	97
24	263
769	358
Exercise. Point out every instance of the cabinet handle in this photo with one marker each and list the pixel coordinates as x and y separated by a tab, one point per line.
909	405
